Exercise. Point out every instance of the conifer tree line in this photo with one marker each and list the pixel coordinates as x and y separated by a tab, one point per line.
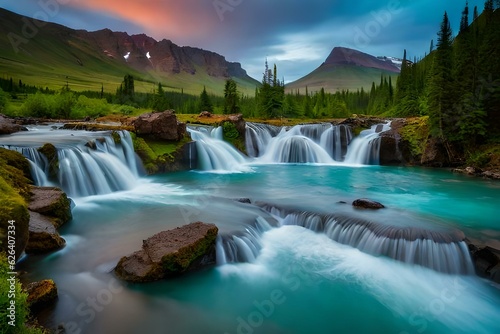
458	84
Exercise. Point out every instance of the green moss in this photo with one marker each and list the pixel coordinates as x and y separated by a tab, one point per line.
14	194
180	261
145	152
116	137
155	153
50	152
485	156
416	133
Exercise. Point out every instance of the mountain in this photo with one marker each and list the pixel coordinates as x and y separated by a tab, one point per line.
346	69
49	55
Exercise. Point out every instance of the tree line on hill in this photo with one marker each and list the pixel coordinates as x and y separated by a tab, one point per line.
458	84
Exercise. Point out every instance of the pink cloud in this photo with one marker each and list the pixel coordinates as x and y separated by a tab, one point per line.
171	19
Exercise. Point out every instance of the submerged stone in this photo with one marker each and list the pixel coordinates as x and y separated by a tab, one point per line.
170	253
367	204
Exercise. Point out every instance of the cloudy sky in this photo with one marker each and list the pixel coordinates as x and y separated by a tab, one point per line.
297	35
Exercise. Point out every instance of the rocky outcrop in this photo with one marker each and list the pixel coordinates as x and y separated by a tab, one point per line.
49	208
41	294
8	126
364	203
160	125
390	153
170	253
473	171
53	202
43	236
486	262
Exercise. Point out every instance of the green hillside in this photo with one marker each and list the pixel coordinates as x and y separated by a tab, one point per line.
56	55
335	78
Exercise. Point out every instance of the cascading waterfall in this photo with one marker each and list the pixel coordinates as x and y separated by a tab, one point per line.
309	143
87	163
242	247
214	154
365	149
257	136
443	251
335	140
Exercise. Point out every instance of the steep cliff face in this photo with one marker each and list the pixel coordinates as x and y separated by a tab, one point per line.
145	53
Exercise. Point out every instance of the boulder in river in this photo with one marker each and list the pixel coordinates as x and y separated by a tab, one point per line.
41	294
367	204
53	202
170	253
43	236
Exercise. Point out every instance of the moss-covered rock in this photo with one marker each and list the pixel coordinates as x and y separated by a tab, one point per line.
50	152
414	137
160	156
14	193
41	294
170	253
53	202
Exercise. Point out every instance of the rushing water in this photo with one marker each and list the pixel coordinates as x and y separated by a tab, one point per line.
275	276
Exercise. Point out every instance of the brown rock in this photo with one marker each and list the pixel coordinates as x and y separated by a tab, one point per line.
8	126
53	202
390	153
205	114
239	123
161	125
170	253
367	204
43	236
41	293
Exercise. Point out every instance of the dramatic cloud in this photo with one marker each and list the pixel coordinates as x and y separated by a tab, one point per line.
295	34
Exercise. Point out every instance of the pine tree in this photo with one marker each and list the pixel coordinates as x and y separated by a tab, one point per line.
231	97
441	97
464	22
205	103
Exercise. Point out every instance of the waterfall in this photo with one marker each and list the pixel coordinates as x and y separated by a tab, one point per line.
257	136
308	143
242	247
87	163
335	141
442	251
214	154
365	149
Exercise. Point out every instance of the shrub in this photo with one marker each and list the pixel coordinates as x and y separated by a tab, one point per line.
39	105
85	106
127	110
63	104
230	131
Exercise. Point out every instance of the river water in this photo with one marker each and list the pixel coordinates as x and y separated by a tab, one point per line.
299	281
